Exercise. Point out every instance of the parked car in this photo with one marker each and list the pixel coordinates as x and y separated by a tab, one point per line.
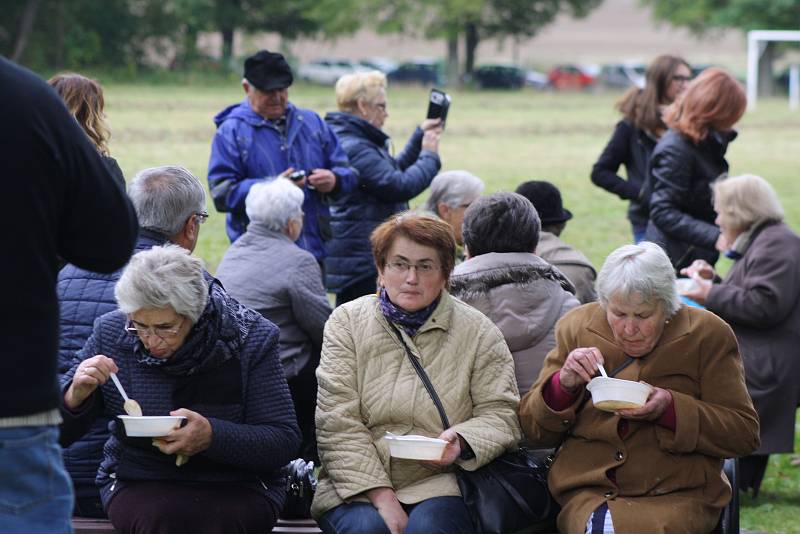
536	80
424	72
622	75
572	76
379	63
498	77
327	71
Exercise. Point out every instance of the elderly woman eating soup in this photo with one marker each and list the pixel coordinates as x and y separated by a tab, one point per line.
181	346
368	387
656	468
760	298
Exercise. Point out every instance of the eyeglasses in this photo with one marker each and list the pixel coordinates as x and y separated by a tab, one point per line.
682	79
423	268
381	106
160	332
201	216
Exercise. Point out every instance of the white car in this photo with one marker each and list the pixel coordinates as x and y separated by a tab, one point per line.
327	71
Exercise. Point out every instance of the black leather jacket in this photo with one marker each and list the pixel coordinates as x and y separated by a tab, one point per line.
681	210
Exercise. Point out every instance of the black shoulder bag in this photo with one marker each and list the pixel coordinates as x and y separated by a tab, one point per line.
508	494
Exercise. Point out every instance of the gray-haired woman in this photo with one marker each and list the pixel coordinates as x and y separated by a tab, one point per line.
657	468
182	347
291	296
451	193
520	292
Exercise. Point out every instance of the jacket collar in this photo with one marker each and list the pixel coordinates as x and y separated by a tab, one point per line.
440	319
678	326
262	231
479	275
347	122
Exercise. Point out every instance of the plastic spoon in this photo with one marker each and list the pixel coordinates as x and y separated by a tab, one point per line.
602	370
130	406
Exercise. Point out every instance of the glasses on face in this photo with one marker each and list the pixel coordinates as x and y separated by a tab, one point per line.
681	79
423	268
162	332
381	106
201	216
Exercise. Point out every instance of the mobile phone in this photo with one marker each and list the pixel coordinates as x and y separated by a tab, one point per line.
296	176
438	105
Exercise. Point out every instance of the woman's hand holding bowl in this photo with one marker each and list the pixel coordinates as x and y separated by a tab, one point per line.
90	374
192	438
656	405
579	368
451	451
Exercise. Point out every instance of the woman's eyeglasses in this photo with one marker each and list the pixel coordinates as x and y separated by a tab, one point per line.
682	79
161	332
201	216
402	267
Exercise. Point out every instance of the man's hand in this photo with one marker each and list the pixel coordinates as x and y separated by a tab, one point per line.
193	438
656	405
322	180
385	501
298	183
90	374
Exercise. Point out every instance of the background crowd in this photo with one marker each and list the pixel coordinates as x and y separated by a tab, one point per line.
509	321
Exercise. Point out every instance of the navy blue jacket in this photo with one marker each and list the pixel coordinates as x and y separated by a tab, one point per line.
248	148
385	185
227	370
83	296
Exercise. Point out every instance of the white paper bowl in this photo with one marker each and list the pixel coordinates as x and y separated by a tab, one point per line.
612	394
150	426
415	447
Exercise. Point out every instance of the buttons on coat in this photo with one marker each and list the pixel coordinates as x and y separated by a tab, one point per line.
566	422
619	456
608	494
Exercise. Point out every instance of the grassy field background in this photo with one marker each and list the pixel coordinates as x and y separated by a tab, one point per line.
505	138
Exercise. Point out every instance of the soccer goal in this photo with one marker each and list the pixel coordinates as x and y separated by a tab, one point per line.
756	43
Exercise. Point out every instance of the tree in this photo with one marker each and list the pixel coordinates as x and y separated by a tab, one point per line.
702	17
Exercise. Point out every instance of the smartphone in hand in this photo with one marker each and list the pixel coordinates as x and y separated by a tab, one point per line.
438	105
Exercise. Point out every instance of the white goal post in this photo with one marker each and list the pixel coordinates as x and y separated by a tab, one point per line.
756	43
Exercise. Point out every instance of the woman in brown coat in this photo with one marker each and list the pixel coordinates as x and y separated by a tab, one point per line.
657	468
760	298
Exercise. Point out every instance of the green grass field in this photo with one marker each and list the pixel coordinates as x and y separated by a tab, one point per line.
505	138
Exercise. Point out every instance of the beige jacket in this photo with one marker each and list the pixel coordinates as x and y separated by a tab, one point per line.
570	261
367	387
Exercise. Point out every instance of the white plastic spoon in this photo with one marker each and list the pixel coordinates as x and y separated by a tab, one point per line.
130	406
602	370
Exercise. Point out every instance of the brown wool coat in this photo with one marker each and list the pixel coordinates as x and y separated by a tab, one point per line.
760	298
668	482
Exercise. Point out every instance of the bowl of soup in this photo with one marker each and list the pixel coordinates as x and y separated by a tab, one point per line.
150	426
413	447
612	394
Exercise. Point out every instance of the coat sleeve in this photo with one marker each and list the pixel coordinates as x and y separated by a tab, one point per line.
269	438
541	424
494	426
616	153
310	305
722	422
770	289
671	174
346	176
380	178
75	424
411	151
345	444
227	176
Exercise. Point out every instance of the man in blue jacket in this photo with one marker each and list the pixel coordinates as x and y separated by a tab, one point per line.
171	205
265	136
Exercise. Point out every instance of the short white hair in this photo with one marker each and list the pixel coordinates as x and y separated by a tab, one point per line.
746	200
160	277
453	188
165	197
274	203
644	270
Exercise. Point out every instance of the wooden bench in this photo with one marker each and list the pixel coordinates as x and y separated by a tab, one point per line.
83	525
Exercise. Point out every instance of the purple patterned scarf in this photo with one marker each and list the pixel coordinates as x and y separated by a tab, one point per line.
408	321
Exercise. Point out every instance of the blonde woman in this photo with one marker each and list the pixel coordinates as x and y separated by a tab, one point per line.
385	183
84	100
760	299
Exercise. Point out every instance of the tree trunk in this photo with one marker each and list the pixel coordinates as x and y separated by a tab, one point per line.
766	81
452	59
227	46
61	36
471	44
25	28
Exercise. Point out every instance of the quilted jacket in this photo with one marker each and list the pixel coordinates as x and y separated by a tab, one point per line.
83	296
385	185
227	370
367	387
248	148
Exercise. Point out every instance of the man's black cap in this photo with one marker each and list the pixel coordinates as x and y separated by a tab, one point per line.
546	198
268	71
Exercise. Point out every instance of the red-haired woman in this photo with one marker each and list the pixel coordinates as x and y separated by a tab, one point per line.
689	157
636	135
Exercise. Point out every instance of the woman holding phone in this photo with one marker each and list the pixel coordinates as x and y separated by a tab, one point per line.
385	183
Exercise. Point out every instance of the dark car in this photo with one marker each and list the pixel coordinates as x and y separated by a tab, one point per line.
499	77
421	72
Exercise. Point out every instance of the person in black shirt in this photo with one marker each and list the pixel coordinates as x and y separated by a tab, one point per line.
60	202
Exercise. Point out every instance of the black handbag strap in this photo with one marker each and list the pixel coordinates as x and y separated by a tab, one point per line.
424	377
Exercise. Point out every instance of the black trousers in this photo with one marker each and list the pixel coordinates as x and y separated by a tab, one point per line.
751	472
303	389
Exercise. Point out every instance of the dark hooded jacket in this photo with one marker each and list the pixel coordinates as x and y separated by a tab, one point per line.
227	370
385	185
